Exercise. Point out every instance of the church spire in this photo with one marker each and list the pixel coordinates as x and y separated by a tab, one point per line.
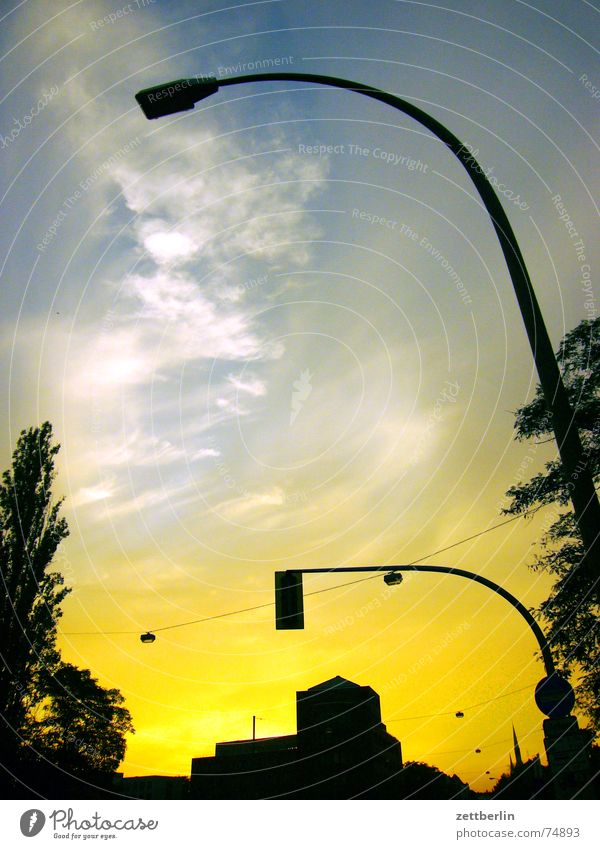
518	758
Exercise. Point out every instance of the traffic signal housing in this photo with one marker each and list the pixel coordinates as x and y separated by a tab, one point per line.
289	601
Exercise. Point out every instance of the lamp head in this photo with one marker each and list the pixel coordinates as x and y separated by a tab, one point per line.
393	578
148	637
176	96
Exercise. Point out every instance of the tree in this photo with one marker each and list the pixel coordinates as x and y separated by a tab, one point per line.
31	531
51	712
571	610
82	726
421	781
529	781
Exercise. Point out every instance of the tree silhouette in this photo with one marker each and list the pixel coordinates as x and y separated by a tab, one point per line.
421	781
571	610
82	726
31	531
529	781
51	713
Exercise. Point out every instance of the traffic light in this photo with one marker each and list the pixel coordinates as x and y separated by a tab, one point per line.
289	601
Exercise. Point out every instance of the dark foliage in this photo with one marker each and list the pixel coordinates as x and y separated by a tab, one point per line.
529	781
31	531
571	610
82	725
421	781
57	724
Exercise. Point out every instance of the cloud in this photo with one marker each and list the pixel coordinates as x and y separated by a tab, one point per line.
91	495
178	322
140	449
195	236
164	495
156	360
203	453
254	387
234	205
166	247
250	504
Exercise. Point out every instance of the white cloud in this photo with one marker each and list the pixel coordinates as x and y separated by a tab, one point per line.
172	310
254	387
165	247
114	359
210	213
91	495
251	504
149	499
139	449
205	452
235	205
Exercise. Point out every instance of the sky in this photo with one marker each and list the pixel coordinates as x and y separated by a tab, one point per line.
277	331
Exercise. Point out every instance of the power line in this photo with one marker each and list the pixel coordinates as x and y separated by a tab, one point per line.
314	592
480	534
216	616
483	748
468	751
470	707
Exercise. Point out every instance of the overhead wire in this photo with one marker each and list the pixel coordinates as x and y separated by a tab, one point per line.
211	618
314	592
469	707
482	748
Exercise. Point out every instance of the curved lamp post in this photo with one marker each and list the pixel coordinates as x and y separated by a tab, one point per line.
289	606
566	745
554	695
181	95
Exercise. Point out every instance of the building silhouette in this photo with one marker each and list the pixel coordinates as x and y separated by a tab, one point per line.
341	750
151	786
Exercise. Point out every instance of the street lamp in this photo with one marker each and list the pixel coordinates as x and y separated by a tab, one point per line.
148	637
392	579
289	605
565	743
181	95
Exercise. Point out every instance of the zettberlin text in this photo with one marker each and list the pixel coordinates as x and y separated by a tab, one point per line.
483	815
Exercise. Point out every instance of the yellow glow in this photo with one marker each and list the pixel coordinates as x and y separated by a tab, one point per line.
430	647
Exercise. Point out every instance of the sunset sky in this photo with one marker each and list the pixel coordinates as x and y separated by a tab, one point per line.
260	355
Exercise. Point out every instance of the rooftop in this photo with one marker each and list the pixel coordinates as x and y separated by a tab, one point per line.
338	681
